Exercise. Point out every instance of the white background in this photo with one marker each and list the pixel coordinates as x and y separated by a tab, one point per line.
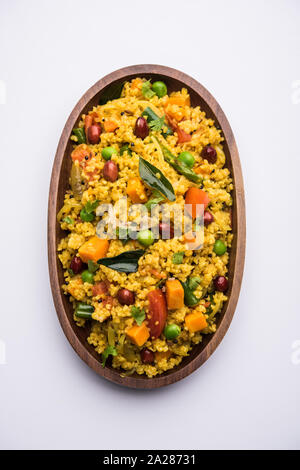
247	54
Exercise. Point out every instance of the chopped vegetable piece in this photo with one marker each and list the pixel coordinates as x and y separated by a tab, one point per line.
108	351
138	314
160	88
126	262
80	134
125	148
152	116
161	355
146	90
182	136
179	100
194	282
190	299
157	124
177	258
88	121
179	166
155	199
172	331
146	237
80	152
155	179
157	313
136	190
75	182
108	152
68	220
195	322
87	213
84	310
196	200
110	126
174	294
93	249
138	334
99	288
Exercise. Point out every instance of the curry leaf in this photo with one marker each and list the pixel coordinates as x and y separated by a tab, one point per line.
155	179
138	314
126	262
92	267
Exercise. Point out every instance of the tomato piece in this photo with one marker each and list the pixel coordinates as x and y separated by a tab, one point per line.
182	135
157	313
99	288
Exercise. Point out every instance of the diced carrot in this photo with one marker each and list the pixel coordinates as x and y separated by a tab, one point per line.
180	100
175	112
99	288
174	294
195	322
136	191
88	121
138	334
196	200
207	304
110	126
80	152
160	355
193	240
136	83
94	249
157	274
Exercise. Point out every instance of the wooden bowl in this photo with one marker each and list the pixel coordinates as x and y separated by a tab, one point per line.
108	86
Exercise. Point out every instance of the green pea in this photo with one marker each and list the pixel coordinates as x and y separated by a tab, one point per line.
160	88
86	216
108	152
172	331
187	158
86	276
145	237
220	247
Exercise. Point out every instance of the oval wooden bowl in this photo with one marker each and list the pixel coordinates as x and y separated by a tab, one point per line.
175	80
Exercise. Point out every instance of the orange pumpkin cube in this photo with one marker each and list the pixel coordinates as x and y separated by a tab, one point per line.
174	294
94	249
138	334
136	191
195	322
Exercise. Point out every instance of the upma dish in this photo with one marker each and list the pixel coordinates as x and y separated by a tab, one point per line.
146	295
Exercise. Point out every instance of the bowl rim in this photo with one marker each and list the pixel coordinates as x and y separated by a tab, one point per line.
238	267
